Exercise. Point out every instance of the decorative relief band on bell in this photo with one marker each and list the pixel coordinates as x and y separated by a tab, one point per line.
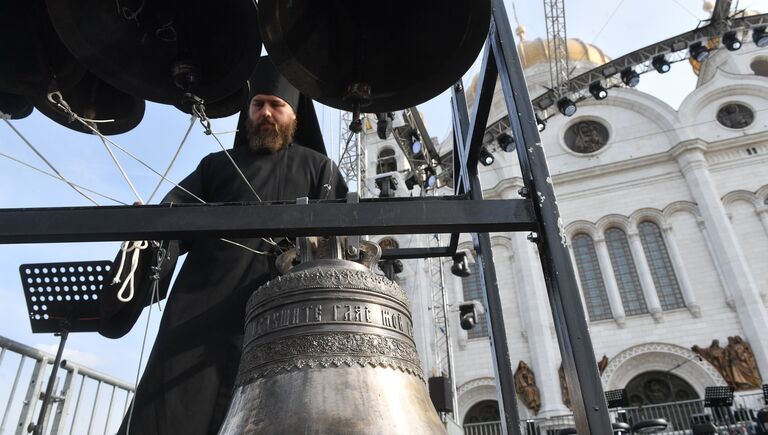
338	349
329	312
324	278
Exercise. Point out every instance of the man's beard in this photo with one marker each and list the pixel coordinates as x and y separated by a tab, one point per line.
273	139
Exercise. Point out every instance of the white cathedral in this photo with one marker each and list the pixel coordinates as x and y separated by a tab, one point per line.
666	213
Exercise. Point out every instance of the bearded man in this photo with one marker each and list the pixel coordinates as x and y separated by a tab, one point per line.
188	381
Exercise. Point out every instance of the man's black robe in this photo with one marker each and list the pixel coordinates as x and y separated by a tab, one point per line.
189	377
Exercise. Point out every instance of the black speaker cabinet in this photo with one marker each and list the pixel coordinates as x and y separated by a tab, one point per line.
440	393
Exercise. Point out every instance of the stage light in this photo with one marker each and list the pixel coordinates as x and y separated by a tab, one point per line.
760	37
486	158
731	41
460	266
540	124
384	124
430	177
506	142
661	64
410	180
699	52
630	77
417	149
387	186
468	314
598	91
566	106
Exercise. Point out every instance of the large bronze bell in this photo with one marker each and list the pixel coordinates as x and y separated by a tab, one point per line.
31	54
383	56
93	99
329	349
159	50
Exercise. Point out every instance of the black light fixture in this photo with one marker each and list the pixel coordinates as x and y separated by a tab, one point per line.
506	142
566	106
469	313
430	177
699	52
486	158
598	90
661	64
630	77
460	266
760	37
384	124
540	124
387	186
410	180
731	41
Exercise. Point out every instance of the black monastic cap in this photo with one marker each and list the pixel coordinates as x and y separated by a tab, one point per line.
266	80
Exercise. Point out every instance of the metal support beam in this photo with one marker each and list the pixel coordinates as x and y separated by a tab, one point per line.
325	218
482	242
590	409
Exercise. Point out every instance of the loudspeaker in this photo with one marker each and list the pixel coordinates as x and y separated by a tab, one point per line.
440	393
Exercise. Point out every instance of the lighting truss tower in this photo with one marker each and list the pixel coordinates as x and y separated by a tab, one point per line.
351	154
557	44
440	318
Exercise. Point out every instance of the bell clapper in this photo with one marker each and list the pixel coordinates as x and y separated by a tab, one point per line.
186	76
359	94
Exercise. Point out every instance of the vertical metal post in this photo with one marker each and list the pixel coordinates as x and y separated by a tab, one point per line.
489	286
109	409
13	393
39	428
62	407
33	393
590	409
77	404
93	409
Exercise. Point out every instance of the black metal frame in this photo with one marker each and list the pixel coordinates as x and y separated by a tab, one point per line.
538	212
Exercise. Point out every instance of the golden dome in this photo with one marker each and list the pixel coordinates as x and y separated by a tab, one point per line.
535	51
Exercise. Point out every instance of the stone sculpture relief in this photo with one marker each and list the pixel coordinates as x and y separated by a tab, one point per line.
735	362
526	389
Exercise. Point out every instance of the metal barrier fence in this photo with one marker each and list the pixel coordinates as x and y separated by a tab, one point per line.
738	419
86	402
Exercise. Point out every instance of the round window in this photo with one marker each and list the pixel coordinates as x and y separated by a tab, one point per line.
586	137
735	115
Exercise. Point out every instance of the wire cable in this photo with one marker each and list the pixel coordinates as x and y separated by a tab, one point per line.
192	120
120	168
50	165
43	171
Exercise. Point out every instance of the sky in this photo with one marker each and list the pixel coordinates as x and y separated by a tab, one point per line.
616	26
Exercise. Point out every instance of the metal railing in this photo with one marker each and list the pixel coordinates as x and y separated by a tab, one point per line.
87	402
484	428
736	419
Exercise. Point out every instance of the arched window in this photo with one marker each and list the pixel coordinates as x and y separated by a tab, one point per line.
591	279
486	410
625	272
473	292
664	277
386	161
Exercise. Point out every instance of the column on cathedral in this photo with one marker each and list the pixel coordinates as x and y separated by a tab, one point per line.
609	279
537	320
728	253
762	211
682	275
718	269
646	278
417	284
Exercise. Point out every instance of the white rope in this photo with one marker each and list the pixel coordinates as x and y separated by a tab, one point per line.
173	160
136	247
52	175
122	171
50	165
